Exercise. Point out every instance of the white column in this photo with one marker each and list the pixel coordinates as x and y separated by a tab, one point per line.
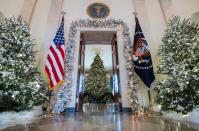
75	71
123	71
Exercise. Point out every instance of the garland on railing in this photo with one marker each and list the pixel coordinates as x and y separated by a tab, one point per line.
65	92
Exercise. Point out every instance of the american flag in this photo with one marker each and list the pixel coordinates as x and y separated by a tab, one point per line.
54	67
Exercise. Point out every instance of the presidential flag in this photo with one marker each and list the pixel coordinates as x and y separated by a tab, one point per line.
54	67
142	57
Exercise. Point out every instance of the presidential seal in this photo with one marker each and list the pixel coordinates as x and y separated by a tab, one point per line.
98	11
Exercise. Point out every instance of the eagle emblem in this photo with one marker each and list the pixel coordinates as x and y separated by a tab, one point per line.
98	11
141	51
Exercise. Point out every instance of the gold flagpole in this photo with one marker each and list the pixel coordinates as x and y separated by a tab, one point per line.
150	103
135	13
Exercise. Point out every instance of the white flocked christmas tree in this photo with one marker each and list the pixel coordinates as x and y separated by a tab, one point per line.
178	90
21	87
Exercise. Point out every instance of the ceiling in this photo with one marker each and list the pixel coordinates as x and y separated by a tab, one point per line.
98	42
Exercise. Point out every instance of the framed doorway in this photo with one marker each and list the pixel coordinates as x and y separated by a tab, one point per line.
104	43
126	72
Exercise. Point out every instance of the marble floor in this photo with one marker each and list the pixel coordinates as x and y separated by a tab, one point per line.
102	122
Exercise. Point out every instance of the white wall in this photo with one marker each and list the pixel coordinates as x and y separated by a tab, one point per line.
185	8
76	9
11	7
29	7
38	29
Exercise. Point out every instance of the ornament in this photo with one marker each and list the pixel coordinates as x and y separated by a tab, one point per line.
37	85
19	55
135	58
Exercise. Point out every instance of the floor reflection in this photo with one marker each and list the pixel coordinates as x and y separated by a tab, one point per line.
102	122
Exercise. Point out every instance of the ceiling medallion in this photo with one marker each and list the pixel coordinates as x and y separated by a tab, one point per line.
98	11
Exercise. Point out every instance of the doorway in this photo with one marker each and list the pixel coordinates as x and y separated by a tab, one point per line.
105	44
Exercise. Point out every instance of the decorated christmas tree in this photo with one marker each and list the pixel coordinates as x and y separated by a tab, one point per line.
178	90
97	82
21	86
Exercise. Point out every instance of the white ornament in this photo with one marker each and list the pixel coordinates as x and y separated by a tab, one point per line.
135	58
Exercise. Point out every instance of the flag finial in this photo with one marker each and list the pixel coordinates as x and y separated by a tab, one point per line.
63	12
135	13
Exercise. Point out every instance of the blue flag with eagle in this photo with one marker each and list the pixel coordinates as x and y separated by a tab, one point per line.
142	57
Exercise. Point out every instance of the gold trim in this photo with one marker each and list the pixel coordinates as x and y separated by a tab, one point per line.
55	86
94	17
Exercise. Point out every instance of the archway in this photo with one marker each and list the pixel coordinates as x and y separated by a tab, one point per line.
66	93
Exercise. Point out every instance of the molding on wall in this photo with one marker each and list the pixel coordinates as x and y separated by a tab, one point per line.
32	12
1	16
167	11
28	10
